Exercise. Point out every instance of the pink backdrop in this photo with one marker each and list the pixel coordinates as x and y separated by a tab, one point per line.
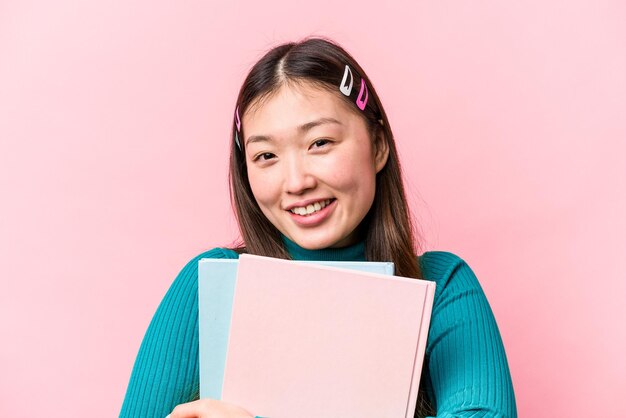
114	117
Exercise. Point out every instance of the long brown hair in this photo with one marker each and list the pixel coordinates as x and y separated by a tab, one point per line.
387	227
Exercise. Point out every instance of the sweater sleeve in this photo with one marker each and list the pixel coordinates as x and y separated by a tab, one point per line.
166	371
466	361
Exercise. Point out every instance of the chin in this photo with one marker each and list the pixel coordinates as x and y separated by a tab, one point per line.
315	243
326	242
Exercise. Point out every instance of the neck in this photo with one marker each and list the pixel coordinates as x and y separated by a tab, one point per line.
354	252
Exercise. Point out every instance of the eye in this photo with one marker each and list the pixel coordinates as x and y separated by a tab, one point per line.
320	143
265	156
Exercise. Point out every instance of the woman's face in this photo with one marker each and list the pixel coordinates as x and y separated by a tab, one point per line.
311	165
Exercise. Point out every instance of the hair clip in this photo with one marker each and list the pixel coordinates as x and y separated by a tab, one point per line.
237	119
238	124
346	90
360	102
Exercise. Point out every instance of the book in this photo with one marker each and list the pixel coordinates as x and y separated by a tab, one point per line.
216	290
308	340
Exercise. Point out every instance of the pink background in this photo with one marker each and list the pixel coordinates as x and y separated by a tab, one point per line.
114	117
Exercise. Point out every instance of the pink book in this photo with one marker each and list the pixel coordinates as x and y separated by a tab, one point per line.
314	341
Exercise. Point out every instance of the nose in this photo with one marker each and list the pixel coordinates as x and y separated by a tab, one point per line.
298	176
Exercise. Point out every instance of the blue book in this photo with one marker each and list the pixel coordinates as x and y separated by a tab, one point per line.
216	290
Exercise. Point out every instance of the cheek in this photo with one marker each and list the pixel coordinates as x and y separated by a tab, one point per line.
353	172
263	187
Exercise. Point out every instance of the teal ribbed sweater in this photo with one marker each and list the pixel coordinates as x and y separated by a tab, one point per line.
467	373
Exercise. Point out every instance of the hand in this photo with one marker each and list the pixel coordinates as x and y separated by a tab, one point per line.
209	408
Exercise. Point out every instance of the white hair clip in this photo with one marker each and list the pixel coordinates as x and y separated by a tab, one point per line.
346	90
238	124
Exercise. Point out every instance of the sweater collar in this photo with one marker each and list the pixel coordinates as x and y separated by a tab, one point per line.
354	252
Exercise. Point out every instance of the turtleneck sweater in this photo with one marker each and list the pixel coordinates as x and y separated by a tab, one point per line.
466	373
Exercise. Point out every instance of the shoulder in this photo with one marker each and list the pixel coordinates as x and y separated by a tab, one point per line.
450	272
186	282
437	265
189	272
218	252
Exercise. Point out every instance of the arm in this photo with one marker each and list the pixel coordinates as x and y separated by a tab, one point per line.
465	355
166	370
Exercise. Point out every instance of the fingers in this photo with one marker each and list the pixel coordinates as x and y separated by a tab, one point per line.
195	409
209	408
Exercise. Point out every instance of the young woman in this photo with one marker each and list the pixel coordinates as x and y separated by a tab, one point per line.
315	175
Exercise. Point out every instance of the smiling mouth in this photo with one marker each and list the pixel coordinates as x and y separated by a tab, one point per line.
312	208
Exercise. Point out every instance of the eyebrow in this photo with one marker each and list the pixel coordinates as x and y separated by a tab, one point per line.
302	129
321	121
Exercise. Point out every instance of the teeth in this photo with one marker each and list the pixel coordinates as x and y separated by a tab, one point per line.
314	207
